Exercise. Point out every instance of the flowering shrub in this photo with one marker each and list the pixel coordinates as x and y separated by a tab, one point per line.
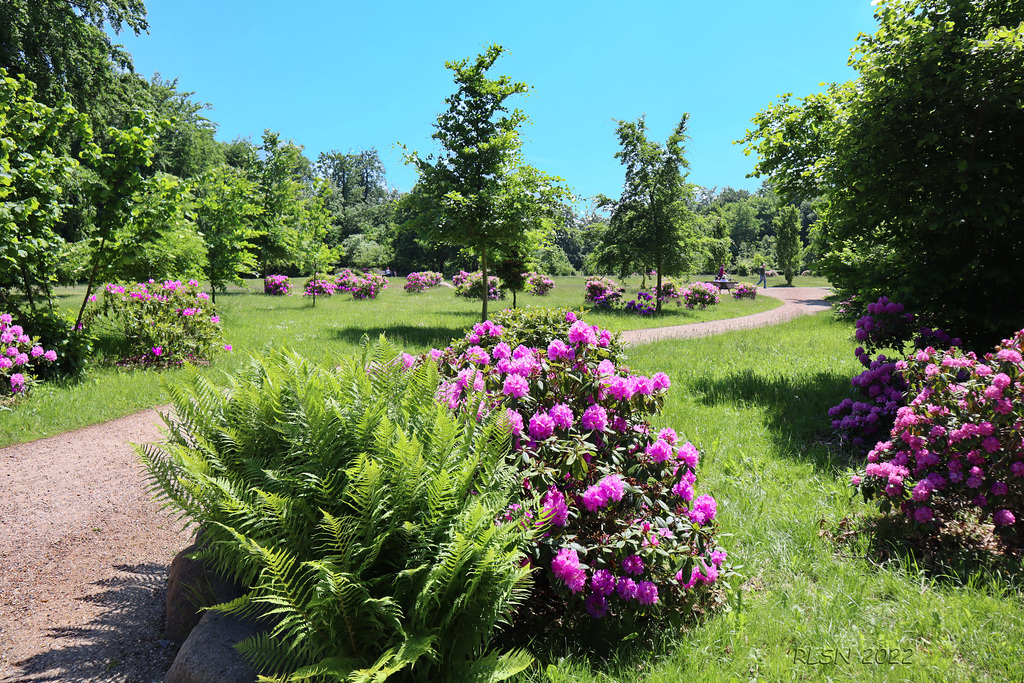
538	284
603	292
627	535
700	295
20	357
744	290
422	281
881	388
277	285
642	304
958	444
366	285
470	285
161	324
318	286
669	290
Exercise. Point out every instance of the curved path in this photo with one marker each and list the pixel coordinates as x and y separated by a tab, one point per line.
797	301
84	551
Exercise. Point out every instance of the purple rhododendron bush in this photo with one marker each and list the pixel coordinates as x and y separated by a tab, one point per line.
881	388
958	446
416	283
629	539
365	285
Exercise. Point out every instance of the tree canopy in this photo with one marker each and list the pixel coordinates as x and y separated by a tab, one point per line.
918	161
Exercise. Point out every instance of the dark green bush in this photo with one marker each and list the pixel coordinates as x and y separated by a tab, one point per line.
360	511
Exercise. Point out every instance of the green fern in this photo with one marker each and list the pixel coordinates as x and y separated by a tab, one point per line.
358	509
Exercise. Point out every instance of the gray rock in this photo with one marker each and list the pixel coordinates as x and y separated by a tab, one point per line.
208	655
192	585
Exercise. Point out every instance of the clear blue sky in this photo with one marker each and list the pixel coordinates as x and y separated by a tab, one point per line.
345	75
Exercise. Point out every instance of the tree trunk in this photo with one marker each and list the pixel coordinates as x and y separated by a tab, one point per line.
657	288
483	271
92	281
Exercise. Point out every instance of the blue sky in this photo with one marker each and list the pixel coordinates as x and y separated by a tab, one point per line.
344	75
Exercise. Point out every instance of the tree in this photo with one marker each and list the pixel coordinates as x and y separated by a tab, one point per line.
61	46
486	198
787	241
32	165
918	162
225	209
312	252
281	173
650	223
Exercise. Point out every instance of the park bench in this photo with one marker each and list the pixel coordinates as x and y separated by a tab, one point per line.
723	284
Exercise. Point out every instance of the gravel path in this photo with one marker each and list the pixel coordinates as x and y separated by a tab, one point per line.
84	551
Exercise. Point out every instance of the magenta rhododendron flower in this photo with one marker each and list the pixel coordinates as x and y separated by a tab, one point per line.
566	566
1003	517
646	593
515	386
704	509
603	582
595	417
596	605
633	564
541	426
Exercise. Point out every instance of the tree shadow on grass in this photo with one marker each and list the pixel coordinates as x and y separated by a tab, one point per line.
965	552
795	409
401	335
122	643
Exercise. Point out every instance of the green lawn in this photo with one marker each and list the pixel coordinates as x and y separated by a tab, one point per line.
755	403
254	321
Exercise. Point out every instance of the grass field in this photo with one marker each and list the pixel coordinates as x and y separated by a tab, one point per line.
808	608
254	321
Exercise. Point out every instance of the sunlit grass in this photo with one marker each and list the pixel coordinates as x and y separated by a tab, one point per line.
254	321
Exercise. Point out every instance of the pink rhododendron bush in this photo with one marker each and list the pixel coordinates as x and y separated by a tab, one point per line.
416	283
958	446
471	286
20	357
700	295
628	538
277	285
365	285
159	324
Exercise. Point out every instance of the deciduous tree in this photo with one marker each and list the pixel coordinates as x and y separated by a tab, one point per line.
486	197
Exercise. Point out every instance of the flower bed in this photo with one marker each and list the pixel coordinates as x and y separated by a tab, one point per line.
603	292
744	290
700	295
957	446
470	285
162	324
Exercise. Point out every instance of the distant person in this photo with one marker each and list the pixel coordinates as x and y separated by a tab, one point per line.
721	272
764	279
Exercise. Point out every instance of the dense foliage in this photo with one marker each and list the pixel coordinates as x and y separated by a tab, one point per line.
277	285
470	285
357	510
917	162
603	292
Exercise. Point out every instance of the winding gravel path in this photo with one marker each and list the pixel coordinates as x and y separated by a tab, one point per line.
84	551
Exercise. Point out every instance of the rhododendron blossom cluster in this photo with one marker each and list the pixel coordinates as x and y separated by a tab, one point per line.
881	388
470	285
744	290
416	283
20	355
538	284
959	443
365	285
277	285
700	295
624	531
603	292
162	324
319	286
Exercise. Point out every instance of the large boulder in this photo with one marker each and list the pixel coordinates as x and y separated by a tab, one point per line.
192	586
208	654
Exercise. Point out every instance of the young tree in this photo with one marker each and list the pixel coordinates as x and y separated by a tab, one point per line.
225	209
486	198
651	223
918	162
281	173
787	241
